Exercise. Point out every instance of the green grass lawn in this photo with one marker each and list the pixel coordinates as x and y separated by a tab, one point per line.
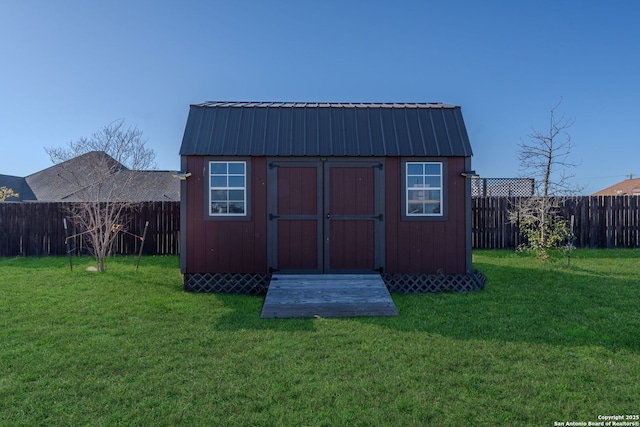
542	343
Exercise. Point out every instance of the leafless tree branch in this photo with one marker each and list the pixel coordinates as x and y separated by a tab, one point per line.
545	157
101	175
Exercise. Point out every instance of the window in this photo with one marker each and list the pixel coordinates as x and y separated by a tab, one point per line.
423	189
227	188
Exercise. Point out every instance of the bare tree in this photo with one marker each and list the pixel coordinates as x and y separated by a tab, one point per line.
545	157
100	176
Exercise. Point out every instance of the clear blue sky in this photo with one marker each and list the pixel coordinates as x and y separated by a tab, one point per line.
69	67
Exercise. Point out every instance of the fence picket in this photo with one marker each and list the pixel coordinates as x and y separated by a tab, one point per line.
599	222
36	229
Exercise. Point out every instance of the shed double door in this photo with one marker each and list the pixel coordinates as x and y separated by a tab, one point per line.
325	216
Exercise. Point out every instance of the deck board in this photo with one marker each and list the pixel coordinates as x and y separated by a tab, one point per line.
327	295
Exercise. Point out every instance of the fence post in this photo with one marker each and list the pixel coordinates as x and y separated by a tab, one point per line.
36	228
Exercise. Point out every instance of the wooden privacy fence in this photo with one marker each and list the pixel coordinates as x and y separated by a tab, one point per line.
599	222
36	229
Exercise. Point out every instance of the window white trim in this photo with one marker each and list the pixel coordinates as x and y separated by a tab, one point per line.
227	188
424	189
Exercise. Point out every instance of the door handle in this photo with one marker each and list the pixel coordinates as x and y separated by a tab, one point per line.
328	215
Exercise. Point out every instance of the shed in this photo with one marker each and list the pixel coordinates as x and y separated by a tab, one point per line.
325	188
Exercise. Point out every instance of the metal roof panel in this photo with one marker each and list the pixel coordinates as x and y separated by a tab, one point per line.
325	129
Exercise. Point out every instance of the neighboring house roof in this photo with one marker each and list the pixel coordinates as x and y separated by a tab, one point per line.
142	186
55	182
153	186
628	187
18	185
325	129
65	181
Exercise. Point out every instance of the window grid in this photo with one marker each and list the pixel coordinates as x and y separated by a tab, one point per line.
424	189
227	188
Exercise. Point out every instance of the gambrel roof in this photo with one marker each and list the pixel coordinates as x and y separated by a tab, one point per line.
325	129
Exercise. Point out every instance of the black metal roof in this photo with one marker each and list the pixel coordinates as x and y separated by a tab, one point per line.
325	129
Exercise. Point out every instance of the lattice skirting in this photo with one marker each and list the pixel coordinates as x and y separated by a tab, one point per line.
227	283
258	284
423	283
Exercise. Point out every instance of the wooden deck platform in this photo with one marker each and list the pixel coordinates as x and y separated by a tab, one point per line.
327	295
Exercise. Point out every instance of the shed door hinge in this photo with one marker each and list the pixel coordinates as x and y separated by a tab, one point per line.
272	217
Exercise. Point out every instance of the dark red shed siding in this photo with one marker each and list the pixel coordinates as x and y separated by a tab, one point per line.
416	246
226	246
426	246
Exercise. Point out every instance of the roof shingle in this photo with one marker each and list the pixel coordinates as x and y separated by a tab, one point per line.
18	185
67	181
628	187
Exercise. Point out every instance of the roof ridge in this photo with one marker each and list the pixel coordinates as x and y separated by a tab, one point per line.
322	104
